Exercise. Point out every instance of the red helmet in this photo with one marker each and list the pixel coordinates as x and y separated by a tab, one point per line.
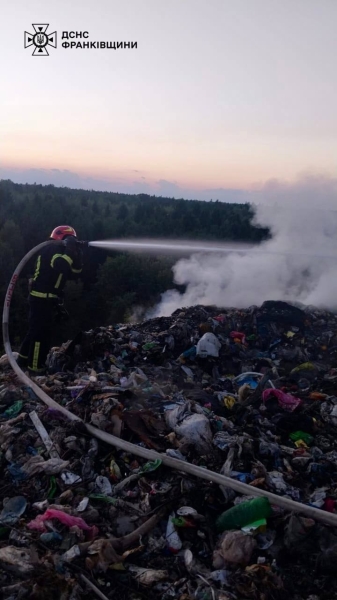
59	233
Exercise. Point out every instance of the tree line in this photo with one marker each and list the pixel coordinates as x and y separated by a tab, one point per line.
112	284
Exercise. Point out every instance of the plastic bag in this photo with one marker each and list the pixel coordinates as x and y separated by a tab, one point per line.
286	401
196	430
38	523
208	345
236	547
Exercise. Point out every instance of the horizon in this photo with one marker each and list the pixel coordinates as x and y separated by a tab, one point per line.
305	191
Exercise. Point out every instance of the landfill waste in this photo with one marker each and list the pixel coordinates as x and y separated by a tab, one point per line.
12	510
250	394
235	547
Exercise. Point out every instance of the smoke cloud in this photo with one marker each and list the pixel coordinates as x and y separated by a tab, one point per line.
302	219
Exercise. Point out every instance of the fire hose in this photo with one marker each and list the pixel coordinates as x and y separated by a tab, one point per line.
180	465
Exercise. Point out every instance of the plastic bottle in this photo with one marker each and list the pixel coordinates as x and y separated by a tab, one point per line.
244	514
173	540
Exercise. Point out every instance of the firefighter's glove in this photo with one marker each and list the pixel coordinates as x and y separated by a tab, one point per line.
61	313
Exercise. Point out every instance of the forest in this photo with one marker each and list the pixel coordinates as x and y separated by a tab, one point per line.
113	284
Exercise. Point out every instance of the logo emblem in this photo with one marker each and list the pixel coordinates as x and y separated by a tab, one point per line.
40	39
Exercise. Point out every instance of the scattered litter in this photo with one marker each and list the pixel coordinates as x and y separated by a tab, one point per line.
250	394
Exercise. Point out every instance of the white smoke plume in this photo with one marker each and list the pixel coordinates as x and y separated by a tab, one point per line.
302	219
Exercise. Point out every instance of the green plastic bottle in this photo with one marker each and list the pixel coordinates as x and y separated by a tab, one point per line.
243	514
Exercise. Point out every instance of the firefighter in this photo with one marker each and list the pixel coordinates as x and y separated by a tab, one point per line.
54	266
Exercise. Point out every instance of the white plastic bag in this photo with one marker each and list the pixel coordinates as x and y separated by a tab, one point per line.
208	345
196	430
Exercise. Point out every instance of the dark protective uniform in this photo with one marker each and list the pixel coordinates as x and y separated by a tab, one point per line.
54	266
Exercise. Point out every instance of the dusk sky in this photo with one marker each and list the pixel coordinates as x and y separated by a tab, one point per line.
219	98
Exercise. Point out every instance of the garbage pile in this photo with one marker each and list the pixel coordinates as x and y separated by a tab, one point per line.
251	394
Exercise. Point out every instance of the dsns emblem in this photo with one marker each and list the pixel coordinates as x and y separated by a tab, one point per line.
40	39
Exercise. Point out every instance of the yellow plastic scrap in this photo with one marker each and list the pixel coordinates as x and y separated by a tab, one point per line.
114	469
301	444
229	401
117	567
308	366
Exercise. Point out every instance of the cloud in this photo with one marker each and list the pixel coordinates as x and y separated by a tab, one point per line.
58	177
168	188
66	178
228	195
174	190
313	189
161	187
309	191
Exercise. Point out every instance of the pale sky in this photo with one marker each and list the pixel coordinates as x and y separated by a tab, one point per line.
220	95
